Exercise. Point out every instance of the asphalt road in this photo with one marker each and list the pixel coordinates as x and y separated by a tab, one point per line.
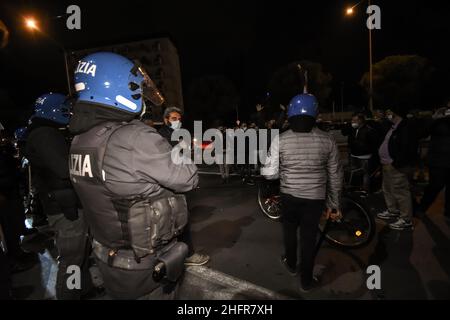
228	225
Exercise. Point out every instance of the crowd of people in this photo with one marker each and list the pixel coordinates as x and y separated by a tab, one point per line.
306	160
391	141
261	120
102	178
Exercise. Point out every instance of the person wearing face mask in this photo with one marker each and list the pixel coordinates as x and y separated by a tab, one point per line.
361	142
398	154
172	122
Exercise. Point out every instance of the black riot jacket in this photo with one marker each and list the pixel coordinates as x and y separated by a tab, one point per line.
86	116
47	150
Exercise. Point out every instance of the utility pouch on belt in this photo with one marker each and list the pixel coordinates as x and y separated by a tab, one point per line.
149	225
170	263
67	201
168	217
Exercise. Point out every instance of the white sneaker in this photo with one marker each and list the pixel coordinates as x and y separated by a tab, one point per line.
401	224
197	259
387	215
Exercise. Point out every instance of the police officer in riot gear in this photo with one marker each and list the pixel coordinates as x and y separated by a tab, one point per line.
47	151
123	172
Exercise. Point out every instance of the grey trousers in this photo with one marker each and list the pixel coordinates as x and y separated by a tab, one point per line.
224	170
397	190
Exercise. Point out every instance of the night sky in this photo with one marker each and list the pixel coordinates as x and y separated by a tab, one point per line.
243	40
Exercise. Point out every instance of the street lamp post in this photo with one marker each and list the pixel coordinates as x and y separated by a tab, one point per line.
370	70
66	64
349	12
32	25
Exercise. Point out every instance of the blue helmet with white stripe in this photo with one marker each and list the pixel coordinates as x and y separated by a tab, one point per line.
303	105
111	80
51	106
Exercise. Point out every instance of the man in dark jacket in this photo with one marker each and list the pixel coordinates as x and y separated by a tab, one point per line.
362	141
398	155
439	164
172	121
48	152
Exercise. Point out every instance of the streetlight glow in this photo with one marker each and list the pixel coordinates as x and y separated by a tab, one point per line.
349	11
31	24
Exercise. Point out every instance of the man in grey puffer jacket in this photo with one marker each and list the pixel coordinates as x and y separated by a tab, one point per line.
306	160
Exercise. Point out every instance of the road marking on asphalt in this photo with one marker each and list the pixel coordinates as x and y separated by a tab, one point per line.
234	285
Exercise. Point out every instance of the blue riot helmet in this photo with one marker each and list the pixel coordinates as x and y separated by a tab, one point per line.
20	134
51	106
303	105
111	80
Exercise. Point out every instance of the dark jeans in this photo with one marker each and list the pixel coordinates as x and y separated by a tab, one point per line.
303	213
364	166
73	247
439	178
12	217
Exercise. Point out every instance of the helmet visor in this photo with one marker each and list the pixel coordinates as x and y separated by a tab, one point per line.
149	89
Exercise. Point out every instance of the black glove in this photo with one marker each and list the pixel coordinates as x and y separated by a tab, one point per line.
67	201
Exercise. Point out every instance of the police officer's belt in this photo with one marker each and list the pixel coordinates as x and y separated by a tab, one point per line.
123	259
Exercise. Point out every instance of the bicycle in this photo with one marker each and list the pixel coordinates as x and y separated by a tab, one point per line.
354	230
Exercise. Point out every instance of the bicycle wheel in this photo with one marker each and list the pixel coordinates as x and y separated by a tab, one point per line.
355	229
269	200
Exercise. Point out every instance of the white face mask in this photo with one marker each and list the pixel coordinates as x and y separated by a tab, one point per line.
175	125
390	117
355	125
